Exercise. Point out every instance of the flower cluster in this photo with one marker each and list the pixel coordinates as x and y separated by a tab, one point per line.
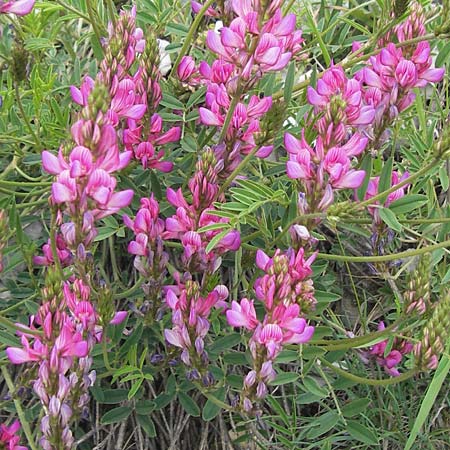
258	40
85	184
59	340
389	360
327	165
8	437
190	312
391	76
286	294
17	7
190	218
148	247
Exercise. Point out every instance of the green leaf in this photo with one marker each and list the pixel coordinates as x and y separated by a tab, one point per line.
355	407
323	424
442	57
225	342
385	177
147	425
408	203
134	388
389	218
112	396
311	385
366	165
116	415
144	407
289	82
211	409
440	376
326	297
361	433
188	404
284	378
215	240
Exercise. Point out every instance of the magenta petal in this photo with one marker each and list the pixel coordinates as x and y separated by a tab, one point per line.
262	260
50	163
433	75
18	355
80	349
136	112
264	151
118	318
236	318
19	7
173	338
121	199
61	193
164	166
292	144
77	96
295	170
314	98
209	118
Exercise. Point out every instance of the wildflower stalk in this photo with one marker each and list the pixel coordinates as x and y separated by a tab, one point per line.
370	381
384	258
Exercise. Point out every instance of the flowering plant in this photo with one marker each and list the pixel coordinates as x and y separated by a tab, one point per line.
213	234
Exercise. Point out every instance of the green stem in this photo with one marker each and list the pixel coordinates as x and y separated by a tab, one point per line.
93	22
190	35
24	183
10	167
25	117
356	342
23	421
369	381
237	170
384	258
229	115
132	290
73	10
105	353
403	221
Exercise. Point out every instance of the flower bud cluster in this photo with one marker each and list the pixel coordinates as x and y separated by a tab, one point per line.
435	335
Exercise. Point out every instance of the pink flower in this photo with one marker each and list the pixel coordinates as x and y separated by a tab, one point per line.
27	353
8	436
18	7
242	314
372	190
